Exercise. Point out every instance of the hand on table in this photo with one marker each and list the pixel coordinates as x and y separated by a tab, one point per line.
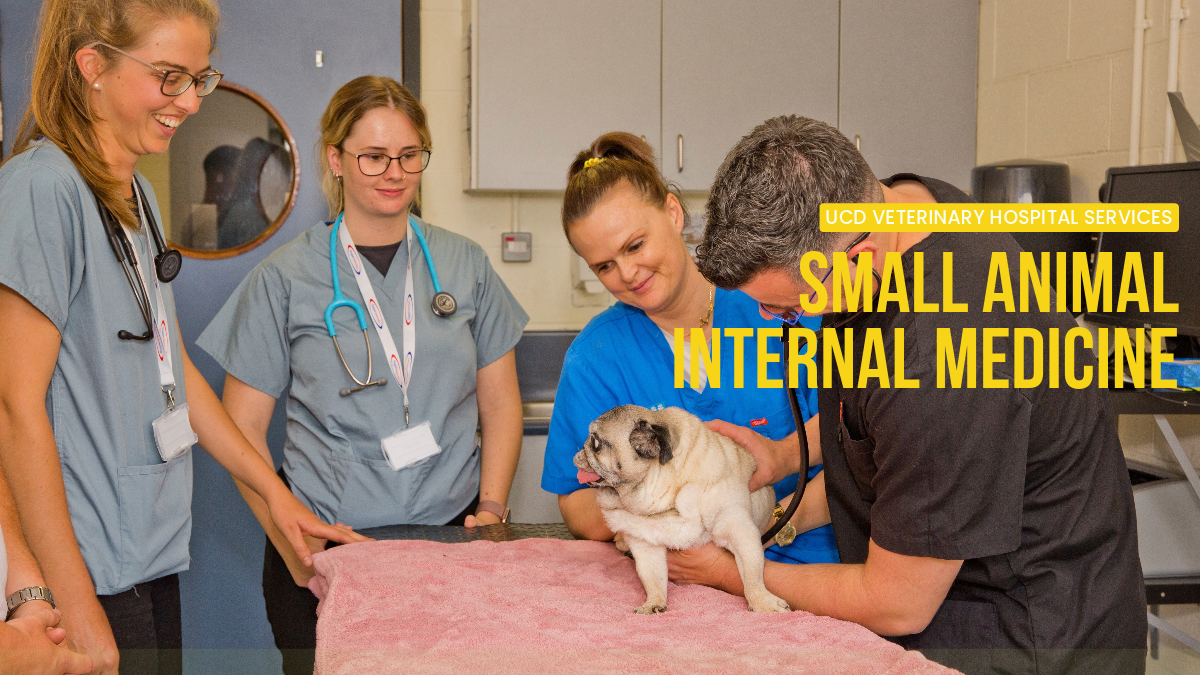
775	460
707	565
482	518
296	523
31	640
301	574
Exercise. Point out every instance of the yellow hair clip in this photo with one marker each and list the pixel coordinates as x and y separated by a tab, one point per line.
592	162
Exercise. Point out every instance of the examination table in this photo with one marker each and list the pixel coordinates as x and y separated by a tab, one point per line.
527	599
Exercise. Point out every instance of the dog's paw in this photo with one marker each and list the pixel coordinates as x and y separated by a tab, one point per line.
650	607
621	544
766	602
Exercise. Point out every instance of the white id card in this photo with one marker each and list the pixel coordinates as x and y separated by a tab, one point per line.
173	433
409	446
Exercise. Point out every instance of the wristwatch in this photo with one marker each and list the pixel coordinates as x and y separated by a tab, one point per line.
494	507
787	534
26	595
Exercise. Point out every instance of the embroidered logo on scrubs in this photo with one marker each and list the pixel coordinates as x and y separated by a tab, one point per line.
408	310
355	261
376	315
758	422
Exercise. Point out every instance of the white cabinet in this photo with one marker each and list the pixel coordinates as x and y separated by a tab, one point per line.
694	76
727	66
549	76
908	74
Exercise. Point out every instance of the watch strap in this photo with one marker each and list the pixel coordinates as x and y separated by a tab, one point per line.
497	508
28	594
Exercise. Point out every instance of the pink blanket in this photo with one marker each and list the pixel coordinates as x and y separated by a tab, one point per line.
550	606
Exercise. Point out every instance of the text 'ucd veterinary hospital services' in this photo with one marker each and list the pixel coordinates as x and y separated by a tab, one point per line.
1036	354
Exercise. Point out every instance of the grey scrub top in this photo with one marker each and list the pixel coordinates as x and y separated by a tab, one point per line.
271	335
131	512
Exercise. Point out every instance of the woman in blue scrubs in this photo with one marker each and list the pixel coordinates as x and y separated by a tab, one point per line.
621	218
401	451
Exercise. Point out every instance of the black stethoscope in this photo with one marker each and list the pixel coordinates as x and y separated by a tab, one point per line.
166	263
794	403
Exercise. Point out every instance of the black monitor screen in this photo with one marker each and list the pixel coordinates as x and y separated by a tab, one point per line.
1167	183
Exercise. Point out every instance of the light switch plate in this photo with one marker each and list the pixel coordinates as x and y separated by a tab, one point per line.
516	246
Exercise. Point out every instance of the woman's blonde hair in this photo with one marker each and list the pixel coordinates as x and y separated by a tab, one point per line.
616	157
58	103
348	106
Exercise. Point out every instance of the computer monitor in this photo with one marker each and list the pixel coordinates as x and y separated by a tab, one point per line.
1164	183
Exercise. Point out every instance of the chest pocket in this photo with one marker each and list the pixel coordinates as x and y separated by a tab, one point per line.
860	457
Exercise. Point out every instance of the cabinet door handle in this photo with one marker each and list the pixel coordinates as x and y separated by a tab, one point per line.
680	153
858	142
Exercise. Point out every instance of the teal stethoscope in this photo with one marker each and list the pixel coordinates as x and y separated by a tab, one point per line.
443	305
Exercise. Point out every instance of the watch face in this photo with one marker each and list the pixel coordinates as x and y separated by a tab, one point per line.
786	535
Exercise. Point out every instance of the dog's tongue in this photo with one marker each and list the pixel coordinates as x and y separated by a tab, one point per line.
587	476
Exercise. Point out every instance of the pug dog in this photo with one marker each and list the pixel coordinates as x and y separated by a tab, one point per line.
666	481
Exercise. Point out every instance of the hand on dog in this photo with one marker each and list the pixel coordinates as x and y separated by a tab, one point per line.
775	460
707	565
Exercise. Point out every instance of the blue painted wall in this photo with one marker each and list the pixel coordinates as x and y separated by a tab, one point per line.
268	46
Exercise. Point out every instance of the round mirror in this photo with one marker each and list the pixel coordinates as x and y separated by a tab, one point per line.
230	177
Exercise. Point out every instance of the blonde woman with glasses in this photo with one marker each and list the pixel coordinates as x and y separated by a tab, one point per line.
99	402
394	341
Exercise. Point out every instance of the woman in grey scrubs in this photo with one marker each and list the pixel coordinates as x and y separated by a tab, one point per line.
87	388
404	450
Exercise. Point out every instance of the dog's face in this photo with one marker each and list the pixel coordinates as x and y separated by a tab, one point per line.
624	444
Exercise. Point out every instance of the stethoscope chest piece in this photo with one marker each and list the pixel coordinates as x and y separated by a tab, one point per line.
167	265
444	304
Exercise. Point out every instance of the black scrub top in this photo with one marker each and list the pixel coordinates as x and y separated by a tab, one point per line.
1027	486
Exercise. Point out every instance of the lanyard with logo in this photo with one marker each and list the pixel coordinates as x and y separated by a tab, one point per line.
173	432
410	444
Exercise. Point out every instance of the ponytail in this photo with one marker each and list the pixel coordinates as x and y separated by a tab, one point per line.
611	159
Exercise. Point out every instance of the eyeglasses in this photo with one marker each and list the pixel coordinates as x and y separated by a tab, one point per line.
791	317
174	82
376	163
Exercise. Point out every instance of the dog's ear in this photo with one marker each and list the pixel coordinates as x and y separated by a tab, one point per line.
651	441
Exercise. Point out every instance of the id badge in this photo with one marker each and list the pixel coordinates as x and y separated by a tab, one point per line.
409	446
173	433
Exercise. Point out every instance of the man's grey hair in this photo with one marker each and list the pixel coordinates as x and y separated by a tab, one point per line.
764	207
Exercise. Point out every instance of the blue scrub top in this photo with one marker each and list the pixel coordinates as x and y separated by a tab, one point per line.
621	357
132	512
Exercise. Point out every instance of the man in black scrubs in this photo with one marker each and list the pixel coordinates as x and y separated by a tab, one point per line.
991	528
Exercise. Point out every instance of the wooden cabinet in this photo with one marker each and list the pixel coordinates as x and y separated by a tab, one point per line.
694	76
549	76
908	75
727	66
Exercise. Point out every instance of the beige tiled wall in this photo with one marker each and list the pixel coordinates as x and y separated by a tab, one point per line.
1055	82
